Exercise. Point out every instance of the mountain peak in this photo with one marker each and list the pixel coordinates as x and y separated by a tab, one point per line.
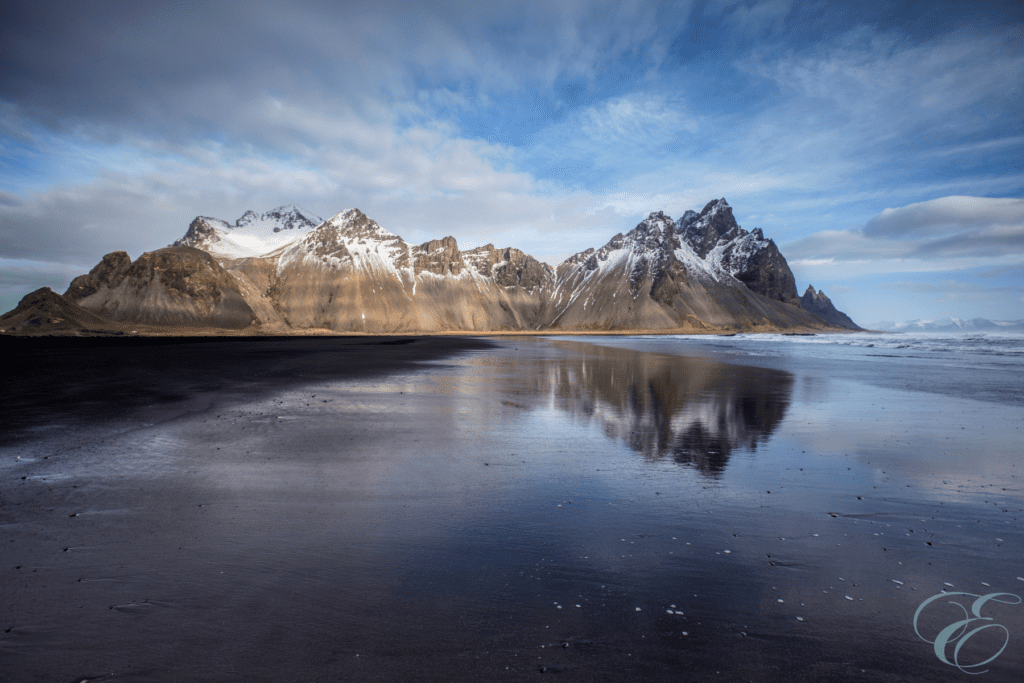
248	217
354	223
716	206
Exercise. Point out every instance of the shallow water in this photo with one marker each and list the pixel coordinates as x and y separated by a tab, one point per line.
608	509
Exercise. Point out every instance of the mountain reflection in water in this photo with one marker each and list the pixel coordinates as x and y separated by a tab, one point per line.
692	410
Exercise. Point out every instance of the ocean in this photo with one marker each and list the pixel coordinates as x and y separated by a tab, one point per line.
753	507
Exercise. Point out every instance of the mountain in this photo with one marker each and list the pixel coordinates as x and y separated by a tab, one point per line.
350	274
46	311
951	325
180	286
651	278
821	306
287	269
251	235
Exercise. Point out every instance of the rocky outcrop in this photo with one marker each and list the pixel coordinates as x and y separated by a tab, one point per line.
820	305
44	311
509	267
108	272
179	286
440	257
714	236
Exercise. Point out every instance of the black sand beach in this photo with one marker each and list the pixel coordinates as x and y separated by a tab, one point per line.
464	509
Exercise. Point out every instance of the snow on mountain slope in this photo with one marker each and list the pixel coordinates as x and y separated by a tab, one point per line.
252	235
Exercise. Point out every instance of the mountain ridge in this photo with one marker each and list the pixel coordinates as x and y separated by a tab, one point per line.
279	271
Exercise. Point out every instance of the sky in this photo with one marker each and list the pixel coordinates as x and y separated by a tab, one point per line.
879	144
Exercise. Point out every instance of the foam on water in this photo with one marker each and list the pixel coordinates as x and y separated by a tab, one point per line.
974	343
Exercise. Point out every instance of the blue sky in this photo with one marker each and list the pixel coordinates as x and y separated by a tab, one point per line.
881	146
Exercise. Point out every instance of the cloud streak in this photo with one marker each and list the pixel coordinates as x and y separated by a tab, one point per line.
947	228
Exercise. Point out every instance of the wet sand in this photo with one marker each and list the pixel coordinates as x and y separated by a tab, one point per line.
468	509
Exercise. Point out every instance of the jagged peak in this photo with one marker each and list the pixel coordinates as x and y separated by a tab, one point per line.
353	219
716	206
248	217
211	221
810	290
656	224
349	217
430	246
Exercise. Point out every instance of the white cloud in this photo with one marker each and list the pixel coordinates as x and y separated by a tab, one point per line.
946	215
949	233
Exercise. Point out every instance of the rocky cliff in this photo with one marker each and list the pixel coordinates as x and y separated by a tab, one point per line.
820	305
714	236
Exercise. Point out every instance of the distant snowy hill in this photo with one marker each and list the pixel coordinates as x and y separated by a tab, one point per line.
950	325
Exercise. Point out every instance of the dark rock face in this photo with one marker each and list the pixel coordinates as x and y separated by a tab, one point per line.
200	232
705	230
759	265
248	217
189	272
756	262
110	271
509	267
519	268
285	218
820	305
440	257
328	242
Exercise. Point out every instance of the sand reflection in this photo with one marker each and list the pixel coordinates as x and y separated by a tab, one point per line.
691	410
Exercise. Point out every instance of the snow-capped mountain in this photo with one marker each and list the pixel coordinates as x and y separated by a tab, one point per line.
252	235
950	325
294	270
652	278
